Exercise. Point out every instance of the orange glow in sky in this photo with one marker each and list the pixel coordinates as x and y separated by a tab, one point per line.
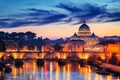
54	31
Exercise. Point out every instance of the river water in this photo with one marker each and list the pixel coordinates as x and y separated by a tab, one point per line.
52	71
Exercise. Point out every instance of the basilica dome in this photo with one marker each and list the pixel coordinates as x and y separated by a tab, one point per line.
84	30
84	26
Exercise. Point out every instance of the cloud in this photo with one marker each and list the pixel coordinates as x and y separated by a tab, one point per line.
90	12
83	10
114	1
2	24
6	19
32	16
74	14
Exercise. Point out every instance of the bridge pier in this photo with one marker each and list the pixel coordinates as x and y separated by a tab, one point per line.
40	62
82	62
18	63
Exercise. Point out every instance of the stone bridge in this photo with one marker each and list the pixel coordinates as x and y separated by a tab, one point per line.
50	55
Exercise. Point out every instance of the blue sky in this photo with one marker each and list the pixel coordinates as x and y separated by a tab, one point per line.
24	13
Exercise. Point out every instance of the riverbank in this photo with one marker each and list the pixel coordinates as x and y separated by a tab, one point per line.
111	67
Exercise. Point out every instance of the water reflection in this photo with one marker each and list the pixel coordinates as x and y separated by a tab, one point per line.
52	71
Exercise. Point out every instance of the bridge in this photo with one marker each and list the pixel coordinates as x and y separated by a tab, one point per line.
36	54
38	51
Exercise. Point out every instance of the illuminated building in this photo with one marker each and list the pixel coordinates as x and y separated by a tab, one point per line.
85	35
74	46
113	49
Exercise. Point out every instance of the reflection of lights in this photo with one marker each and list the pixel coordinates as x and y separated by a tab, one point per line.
89	73
46	71
66	75
85	71
51	70
1	54
101	77
89	70
96	77
41	77
64	72
30	77
34	68
78	66
68	72
109	77
118	78
14	72
57	71
21	72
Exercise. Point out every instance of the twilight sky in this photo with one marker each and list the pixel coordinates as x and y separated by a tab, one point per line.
60	18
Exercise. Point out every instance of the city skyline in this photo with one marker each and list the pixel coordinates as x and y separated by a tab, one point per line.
56	19
62	31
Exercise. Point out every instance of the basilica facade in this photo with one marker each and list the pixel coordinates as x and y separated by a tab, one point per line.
84	36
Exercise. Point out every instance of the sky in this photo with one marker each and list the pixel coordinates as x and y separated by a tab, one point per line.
60	18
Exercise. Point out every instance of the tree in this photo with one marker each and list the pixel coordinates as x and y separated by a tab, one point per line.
2	34
57	47
114	59
30	35
21	36
94	60
20	44
2	46
106	42
14	36
31	46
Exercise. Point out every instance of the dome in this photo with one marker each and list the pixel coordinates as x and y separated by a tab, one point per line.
84	30
84	26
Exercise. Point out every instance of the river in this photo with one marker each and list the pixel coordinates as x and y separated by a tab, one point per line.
52	71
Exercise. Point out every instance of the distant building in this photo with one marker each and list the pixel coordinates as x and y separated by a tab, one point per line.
84	34
74	46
